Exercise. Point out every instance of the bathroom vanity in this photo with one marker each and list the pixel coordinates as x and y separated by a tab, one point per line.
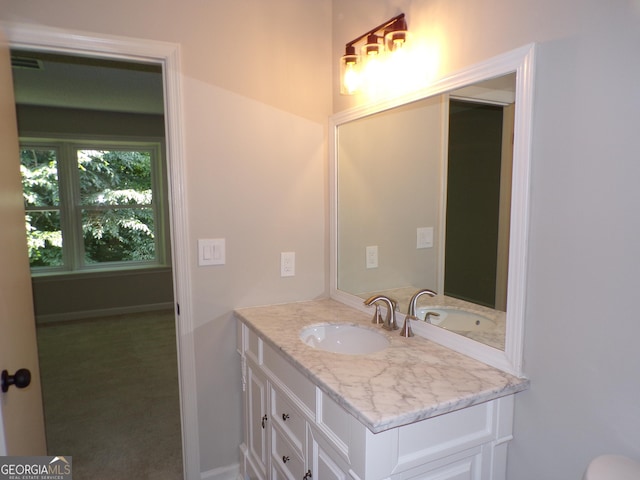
413	409
373	404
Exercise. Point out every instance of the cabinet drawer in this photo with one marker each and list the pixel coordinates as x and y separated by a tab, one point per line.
446	434
286	456
287	377
335	423
288	417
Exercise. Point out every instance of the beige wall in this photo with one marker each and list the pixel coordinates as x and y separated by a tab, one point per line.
582	330
260	50
256	101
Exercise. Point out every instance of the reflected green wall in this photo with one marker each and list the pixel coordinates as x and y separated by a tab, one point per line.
473	201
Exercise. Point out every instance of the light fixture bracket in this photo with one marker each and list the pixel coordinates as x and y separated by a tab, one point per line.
393	24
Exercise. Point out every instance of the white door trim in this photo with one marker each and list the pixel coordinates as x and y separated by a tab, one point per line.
37	37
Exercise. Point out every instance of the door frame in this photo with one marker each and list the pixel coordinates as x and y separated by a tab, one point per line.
37	37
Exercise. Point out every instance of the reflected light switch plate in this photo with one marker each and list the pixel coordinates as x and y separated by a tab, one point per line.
372	256
287	264
425	237
211	251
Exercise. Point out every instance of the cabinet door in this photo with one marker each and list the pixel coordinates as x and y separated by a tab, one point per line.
258	419
323	462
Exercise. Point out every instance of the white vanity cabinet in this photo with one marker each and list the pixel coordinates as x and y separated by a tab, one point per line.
295	430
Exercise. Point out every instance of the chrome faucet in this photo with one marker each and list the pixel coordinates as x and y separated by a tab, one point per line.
414	300
390	319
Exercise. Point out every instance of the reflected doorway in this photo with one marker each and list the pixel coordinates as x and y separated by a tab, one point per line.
479	165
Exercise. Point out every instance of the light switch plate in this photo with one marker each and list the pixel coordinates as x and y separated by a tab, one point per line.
211	251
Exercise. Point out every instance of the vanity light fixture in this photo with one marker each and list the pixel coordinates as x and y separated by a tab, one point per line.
386	38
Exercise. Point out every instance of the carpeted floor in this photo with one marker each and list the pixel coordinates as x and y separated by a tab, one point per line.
110	388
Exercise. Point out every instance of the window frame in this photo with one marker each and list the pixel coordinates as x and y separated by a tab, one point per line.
70	206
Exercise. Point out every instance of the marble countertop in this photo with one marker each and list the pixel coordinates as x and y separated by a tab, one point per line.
411	380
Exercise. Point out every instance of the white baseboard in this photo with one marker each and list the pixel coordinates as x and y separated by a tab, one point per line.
104	312
232	472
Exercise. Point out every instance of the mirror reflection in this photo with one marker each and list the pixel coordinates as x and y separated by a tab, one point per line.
423	201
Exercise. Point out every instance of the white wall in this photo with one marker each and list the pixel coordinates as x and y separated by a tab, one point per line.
256	104
582	328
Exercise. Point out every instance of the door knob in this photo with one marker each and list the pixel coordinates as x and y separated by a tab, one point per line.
21	379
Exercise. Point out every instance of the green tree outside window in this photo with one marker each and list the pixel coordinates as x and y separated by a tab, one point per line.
107	205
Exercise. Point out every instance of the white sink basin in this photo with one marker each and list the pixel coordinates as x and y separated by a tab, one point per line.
456	320
344	338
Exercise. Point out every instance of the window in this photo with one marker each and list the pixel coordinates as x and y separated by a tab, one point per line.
92	205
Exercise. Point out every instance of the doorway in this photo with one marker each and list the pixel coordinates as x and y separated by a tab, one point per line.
166	54
98	373
38	37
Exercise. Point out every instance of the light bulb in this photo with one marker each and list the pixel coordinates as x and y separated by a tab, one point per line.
396	40
351	79
349	74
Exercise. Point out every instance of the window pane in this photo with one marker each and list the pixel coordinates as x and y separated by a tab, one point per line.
114	177
44	238
39	177
118	235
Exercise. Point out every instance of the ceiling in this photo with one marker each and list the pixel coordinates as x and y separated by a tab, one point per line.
53	80
500	90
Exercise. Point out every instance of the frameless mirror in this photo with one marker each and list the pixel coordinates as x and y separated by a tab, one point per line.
431	191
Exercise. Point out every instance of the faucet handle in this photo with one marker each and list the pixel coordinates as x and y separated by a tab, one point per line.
390	319
428	315
406	328
377	316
